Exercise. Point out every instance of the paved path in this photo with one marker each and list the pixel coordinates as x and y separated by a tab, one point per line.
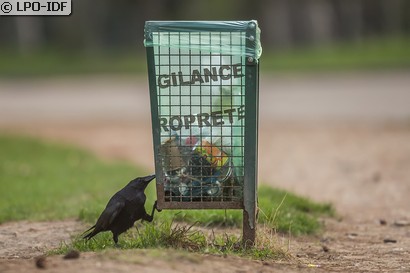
381	96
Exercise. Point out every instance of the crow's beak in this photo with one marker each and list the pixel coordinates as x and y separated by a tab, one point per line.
141	182
149	178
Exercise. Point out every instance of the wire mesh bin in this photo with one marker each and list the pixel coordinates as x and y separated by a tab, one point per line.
203	78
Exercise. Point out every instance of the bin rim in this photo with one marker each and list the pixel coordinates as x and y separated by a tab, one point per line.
187	26
249	28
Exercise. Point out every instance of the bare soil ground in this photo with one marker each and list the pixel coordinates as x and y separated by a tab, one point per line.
342	139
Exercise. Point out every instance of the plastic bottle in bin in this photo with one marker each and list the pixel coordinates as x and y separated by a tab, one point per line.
172	164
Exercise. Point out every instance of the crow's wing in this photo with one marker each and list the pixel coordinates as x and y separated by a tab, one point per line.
109	214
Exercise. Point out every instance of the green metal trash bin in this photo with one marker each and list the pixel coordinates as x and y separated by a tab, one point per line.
203	78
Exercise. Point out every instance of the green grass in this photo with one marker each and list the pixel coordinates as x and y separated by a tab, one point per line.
49	63
168	235
371	54
287	212
48	181
386	53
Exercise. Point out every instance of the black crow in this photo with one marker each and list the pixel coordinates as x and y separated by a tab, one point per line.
123	209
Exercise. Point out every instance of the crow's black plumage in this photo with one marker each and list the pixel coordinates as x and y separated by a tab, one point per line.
123	209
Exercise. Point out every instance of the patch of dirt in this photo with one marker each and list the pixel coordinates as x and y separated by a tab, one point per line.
167	261
358	247
25	239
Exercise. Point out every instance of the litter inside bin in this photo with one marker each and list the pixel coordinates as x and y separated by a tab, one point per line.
197	170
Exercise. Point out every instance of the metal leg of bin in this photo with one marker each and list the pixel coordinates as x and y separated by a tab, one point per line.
249	233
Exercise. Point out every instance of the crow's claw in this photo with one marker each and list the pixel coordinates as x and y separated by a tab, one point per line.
155	206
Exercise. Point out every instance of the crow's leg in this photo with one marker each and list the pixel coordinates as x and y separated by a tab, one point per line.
115	238
148	217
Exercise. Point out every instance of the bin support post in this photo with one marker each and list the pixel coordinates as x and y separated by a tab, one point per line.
249	233
250	195
180	94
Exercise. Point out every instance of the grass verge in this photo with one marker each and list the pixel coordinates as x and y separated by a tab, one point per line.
386	53
180	236
370	54
48	181
50	63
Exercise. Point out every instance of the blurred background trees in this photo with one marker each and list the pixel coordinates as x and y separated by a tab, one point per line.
107	25
106	36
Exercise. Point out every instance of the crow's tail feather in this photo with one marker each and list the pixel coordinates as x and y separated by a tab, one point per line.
88	230
89	235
